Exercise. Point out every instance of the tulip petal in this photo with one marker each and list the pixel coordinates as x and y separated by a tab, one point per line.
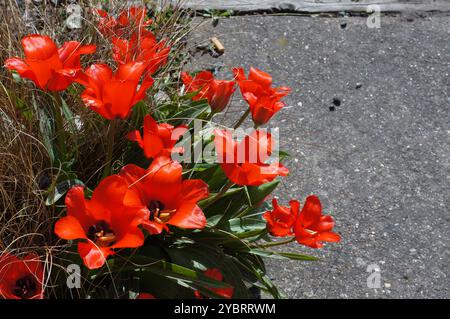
69	228
94	257
239	74
145	85
118	97
39	47
62	79
110	192
262	78
164	180
21	67
98	74
153	228
133	238
135	136
188	216
193	191
152	145
76	204
130	72
311	211
68	54
328	237
295	207
144	295
95	104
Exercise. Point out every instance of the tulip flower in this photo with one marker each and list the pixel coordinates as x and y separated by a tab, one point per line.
102	223
215	274
244	162
144	295
141	48
281	219
21	278
257	90
47	66
158	139
167	198
128	20
217	92
311	227
113	95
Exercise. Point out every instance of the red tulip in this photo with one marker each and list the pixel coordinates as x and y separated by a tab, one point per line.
21	278
311	227
113	95
47	66
130	20
264	101
217	92
281	219
103	223
244	162
141	48
144	295
167	198
158	139
215	274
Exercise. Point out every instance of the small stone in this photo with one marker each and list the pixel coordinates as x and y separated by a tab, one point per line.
360	262
336	101
74	16
358	86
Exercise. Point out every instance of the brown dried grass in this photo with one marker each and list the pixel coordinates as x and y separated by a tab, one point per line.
26	170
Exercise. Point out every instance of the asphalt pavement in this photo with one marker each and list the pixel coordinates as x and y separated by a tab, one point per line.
367	125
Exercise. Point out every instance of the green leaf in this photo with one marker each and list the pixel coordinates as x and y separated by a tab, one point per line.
140	110
259	193
214	176
162	287
210	256
244	227
294	256
260	273
61	189
188	112
243	203
46	130
283	155
281	255
229	192
189	95
24	109
173	271
218	237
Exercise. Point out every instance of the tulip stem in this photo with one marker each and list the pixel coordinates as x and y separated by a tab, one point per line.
242	119
59	126
110	147
277	243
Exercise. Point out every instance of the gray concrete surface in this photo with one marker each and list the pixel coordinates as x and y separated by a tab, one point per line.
379	161
312	6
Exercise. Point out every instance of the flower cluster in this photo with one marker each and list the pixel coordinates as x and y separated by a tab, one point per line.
142	203
309	226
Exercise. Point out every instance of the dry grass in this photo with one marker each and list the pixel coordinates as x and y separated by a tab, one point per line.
27	173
